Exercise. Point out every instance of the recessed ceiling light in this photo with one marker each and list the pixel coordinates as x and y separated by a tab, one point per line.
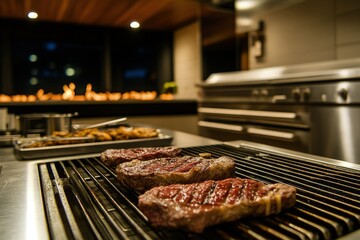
134	24
32	15
245	4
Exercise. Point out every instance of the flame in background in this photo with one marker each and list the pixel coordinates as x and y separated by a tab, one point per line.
70	95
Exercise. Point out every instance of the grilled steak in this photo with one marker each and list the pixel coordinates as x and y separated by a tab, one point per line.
143	175
193	207
113	157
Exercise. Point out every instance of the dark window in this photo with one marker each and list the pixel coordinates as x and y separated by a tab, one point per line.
48	55
141	60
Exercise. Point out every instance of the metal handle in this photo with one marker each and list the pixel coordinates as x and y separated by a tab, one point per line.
277	98
222	126
251	113
103	124
271	133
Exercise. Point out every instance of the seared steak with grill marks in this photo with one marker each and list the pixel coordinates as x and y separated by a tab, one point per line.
113	157
193	207
143	175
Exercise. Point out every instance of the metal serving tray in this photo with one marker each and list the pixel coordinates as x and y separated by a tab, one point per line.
90	147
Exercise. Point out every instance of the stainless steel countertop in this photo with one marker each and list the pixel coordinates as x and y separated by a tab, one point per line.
21	208
22	213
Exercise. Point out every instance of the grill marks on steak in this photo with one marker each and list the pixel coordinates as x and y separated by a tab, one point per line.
113	157
143	175
193	207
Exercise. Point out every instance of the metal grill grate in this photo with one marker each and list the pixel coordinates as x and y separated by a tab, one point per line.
83	200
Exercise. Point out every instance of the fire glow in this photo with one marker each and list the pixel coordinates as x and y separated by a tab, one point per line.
90	95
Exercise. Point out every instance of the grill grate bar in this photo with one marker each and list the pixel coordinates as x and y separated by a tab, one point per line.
296	226
332	207
338	204
53	215
130	202
115	188
88	212
321	231
250	232
349	178
283	158
124	214
341	188
295	166
291	230
268	170
97	200
299	181
65	204
329	215
270	230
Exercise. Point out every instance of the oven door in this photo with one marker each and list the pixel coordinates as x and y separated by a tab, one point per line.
284	126
295	139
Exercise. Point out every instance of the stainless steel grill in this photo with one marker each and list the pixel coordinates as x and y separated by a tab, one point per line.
83	199
312	108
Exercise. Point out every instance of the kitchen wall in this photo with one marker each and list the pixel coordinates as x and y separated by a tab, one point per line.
310	31
347	28
313	30
187	60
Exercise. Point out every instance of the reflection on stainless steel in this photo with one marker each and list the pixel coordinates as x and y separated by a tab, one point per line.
107	123
236	128
45	123
347	134
3	119
338	136
30	214
318	104
264	132
251	113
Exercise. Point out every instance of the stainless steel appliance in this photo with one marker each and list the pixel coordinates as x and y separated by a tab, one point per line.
45	123
80	198
313	108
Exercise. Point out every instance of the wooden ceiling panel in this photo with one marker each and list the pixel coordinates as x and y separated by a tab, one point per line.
152	14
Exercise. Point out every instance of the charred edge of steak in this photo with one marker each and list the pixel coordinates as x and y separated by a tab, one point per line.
193	207
113	157
144	175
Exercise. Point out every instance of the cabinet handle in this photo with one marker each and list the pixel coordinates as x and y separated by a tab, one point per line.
222	126
271	133
251	113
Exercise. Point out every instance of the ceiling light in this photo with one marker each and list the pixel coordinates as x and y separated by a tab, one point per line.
245	4
32	15
134	24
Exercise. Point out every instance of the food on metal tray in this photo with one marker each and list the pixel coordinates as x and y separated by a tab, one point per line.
193	207
94	134
113	157
51	141
120	133
143	175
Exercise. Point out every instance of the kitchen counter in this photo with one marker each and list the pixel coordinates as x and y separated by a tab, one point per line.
21	205
22	214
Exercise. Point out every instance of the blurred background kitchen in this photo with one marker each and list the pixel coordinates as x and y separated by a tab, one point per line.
84	56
